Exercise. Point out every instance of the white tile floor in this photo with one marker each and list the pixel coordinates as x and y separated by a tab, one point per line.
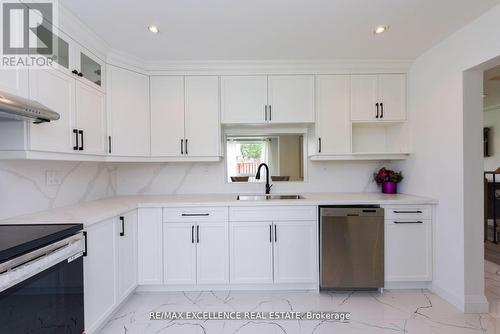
418	312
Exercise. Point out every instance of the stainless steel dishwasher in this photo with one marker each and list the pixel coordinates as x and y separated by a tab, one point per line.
351	247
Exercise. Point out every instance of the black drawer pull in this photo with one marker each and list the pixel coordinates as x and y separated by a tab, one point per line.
195	214
418	211
416	222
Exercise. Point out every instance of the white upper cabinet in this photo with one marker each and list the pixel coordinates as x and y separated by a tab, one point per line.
14	81
54	136
291	99
81	127
244	99
185	116
333	126
392	95
378	97
364	97
167	116
90	69
202	126
264	99
90	119
128	112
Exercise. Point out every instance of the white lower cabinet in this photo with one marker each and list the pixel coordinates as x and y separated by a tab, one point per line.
109	267
99	273
295	252
179	253
273	252
150	246
212	253
127	254
195	253
408	244
251	252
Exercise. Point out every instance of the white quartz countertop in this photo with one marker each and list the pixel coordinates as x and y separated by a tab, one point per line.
89	213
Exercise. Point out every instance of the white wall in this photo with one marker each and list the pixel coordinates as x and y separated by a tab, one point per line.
23	187
492	120
448	149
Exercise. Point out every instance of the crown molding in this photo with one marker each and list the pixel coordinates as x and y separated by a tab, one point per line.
228	67
81	34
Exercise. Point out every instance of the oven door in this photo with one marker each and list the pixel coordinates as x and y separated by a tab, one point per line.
50	301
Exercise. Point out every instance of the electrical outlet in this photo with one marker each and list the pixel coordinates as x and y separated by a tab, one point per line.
53	177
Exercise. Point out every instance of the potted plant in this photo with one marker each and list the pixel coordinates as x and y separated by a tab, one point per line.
388	180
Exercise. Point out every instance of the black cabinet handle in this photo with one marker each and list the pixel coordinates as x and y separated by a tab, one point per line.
122	220
74	72
195	214
417	211
109	144
416	222
192	234
75	148
270	233
377	105
265	112
270	113
182	146
81	143
319	145
197	234
80	74
85	243
381	110
186	141
275	234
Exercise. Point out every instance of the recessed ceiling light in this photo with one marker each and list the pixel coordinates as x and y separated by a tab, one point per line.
154	29
380	30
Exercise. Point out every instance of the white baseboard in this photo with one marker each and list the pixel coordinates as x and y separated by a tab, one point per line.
447	295
467	304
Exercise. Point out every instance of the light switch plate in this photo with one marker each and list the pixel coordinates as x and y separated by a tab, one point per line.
53	177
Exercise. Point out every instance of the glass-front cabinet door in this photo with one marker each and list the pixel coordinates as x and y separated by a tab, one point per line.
61	52
91	68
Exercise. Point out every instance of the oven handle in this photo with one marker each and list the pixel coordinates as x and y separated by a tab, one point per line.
44	251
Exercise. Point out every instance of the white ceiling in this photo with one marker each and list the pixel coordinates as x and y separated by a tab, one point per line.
275	29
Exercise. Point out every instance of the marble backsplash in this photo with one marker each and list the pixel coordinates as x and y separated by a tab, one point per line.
23	186
24	189
186	178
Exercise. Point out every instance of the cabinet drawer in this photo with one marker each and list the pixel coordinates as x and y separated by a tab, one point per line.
273	213
408	212
195	214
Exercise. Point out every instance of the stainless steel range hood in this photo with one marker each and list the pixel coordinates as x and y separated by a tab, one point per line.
17	108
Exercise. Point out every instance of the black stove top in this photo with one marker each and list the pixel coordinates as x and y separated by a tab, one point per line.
16	240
